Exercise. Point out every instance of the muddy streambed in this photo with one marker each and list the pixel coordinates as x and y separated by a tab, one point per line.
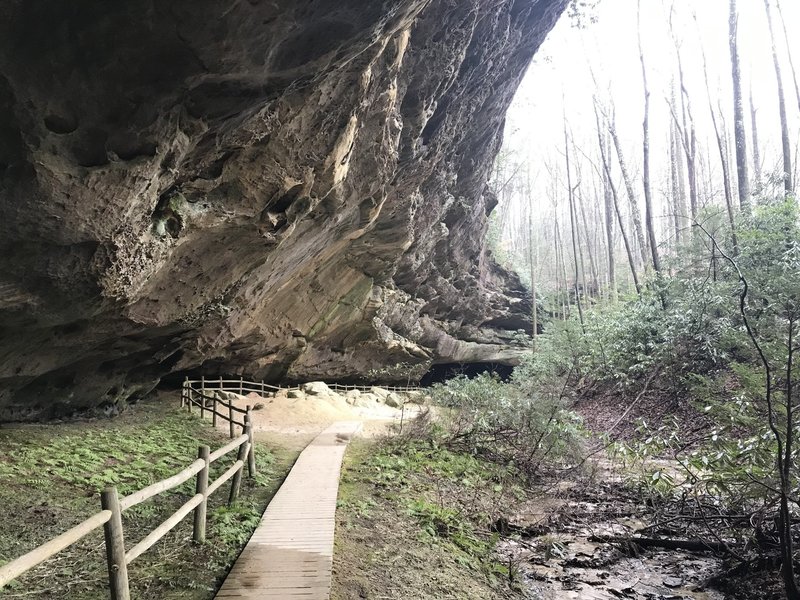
556	554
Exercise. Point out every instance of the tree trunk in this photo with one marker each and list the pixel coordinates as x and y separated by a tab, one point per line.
789	53
674	152
786	145
590	249
648	195
573	226
615	197
738	110
532	264
688	132
609	223
626	178
756	148
723	156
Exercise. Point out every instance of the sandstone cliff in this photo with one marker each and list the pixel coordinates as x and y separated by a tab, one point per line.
284	189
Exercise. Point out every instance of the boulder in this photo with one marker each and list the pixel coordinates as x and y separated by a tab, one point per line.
379	392
295	394
393	400
317	388
366	401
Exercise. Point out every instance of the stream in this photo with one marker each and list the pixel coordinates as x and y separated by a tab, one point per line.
556	558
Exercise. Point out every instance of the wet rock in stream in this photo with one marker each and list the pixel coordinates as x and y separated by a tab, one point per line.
564	564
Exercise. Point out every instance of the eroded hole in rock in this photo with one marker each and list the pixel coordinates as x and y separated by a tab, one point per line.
70	328
285	201
90	149
443	372
214	169
61	124
168	216
434	123
172	360
128	147
279	212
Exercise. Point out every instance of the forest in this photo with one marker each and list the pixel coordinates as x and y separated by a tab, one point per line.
652	213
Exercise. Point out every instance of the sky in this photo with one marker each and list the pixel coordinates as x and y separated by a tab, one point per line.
559	81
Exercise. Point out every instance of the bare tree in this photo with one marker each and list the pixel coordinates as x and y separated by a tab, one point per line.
756	148
608	201
785	144
590	247
604	155
672	197
723	156
738	111
648	195
573	225
684	123
636	217
789	52
532	265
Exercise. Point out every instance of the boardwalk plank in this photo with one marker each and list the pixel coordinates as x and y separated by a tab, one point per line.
290	554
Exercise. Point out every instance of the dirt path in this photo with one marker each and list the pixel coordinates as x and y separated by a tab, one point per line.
292	422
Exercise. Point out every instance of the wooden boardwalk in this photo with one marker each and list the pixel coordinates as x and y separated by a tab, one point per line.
291	553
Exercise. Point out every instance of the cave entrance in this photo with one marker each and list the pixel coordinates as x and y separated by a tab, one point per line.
443	372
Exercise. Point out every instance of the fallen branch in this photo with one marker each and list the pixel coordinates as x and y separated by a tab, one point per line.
694	545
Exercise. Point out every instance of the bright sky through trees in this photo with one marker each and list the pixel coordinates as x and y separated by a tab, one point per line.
608	47
600	60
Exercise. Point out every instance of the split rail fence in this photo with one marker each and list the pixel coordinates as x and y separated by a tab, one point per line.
110	517
194	389
194	393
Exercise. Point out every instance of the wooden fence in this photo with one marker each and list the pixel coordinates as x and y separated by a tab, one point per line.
110	517
194	389
194	393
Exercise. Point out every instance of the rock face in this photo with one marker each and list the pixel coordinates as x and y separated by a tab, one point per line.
287	189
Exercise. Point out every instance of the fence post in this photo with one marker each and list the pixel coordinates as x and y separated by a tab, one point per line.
241	386
230	418
202	396
201	487
262	388
214	414
115	546
183	391
189	391
251	455
237	477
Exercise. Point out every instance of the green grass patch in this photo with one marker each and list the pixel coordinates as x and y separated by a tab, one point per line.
52	475
436	507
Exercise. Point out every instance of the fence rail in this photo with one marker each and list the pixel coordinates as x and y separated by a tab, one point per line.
110	517
242	386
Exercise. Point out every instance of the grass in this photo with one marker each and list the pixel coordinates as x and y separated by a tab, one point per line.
414	523
52	475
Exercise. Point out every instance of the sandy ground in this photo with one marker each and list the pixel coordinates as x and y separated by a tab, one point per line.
294	422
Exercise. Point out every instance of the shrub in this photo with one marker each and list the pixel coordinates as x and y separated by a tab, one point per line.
506	423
